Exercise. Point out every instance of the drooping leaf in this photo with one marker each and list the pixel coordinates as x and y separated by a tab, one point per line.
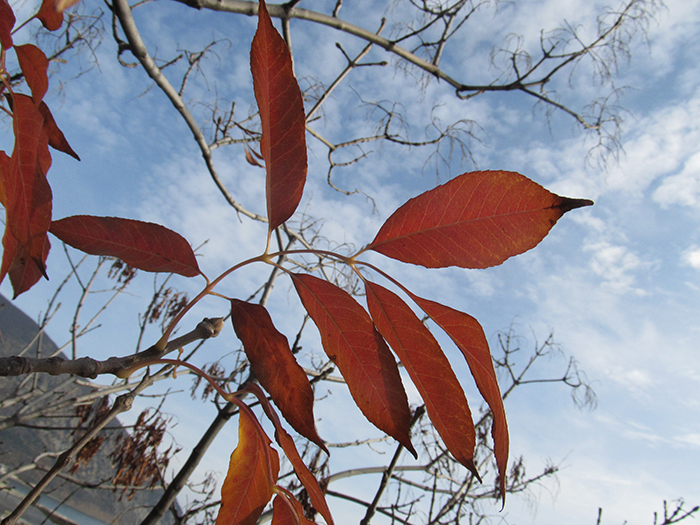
429	370
469	337
476	220
275	367
252	475
7	22
143	245
286	510
362	356
28	196
250	159
49	15
23	271
318	500
283	143
34	65
56	138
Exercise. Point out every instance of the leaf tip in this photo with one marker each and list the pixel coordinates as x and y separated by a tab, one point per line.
568	204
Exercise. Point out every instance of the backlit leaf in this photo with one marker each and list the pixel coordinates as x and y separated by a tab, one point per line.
34	65
49	15
476	220
23	271
288	511
62	5
56	138
429	370
28	196
283	143
7	22
251	477
143	245
318	500
362	356
275	367
469	337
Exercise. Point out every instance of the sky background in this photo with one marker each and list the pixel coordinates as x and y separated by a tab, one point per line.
617	283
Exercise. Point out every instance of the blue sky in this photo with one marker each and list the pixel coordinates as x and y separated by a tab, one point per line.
617	283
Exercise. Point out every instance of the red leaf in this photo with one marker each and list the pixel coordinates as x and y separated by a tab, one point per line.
4	173
429	369
7	22
476	220
34	65
251	477
288	511
283	144
49	15
27	192
143	245
307	479
318	500
275	367
23	271
362	356
469	337
56	138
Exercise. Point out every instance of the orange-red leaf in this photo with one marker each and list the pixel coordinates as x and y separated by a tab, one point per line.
56	138
7	22
362	356
469	337
252	475
143	245
275	367
49	15
288	511
283	144
27	192
318	500
34	65
23	271
429	370
476	220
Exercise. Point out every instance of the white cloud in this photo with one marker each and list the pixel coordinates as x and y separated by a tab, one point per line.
616	265
691	257
683	188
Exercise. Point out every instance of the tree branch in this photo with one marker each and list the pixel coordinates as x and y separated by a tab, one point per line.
118	366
